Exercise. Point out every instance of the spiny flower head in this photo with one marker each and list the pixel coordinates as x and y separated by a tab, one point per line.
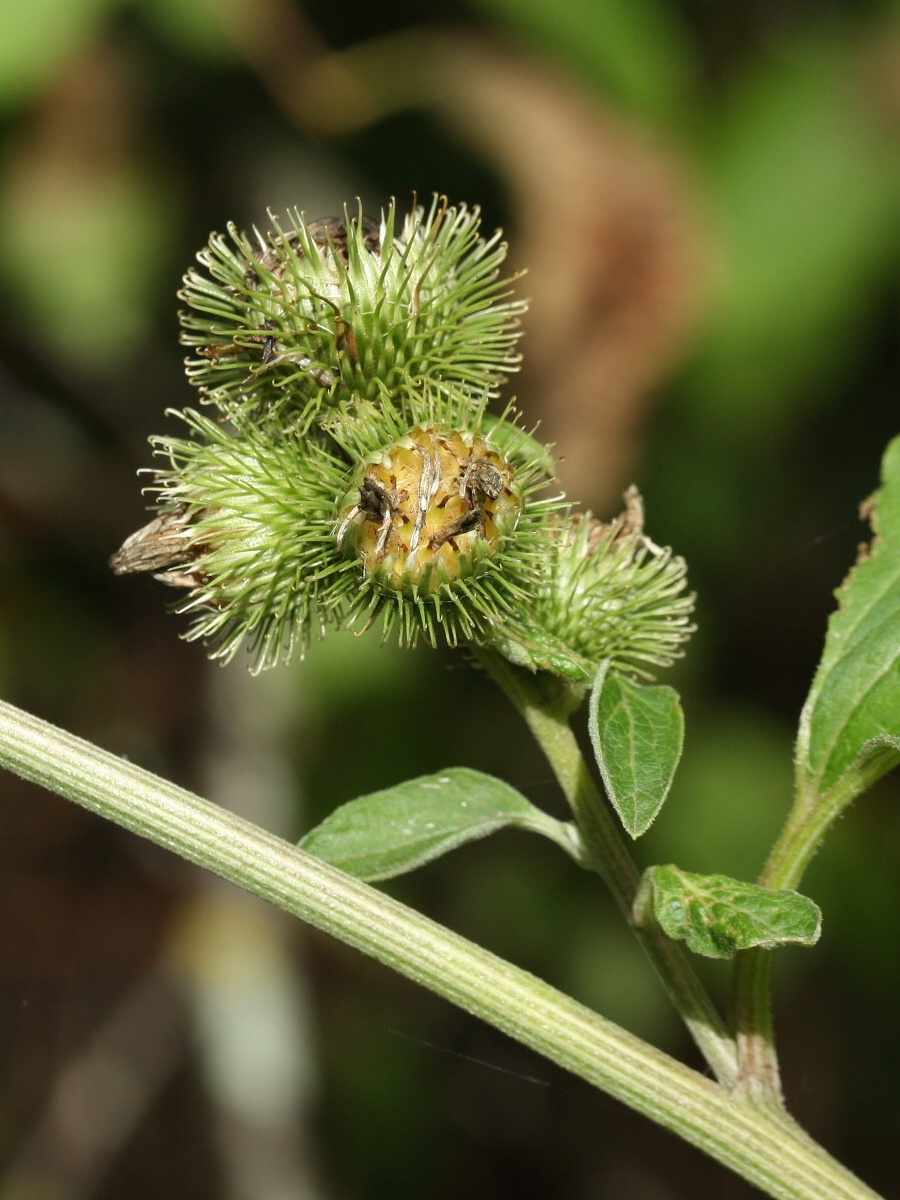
315	315
438	532
243	525
609	593
445	527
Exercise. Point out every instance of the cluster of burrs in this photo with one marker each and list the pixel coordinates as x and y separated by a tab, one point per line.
350	471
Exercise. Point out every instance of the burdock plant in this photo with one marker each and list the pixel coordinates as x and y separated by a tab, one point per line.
346	466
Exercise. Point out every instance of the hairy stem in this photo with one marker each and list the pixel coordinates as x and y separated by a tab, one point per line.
610	858
758	1071
806	825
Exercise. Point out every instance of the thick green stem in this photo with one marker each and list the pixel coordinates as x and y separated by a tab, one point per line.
610	858
807	824
763	1147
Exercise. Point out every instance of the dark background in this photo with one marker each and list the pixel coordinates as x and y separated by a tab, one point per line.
706	198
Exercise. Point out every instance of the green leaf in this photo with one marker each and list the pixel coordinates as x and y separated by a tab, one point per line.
536	649
850	725
637	732
717	916
396	830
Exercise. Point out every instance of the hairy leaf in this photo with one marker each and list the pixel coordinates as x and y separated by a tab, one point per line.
717	916
851	719
637	732
398	829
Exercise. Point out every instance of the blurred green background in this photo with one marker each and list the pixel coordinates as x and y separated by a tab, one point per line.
706	198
